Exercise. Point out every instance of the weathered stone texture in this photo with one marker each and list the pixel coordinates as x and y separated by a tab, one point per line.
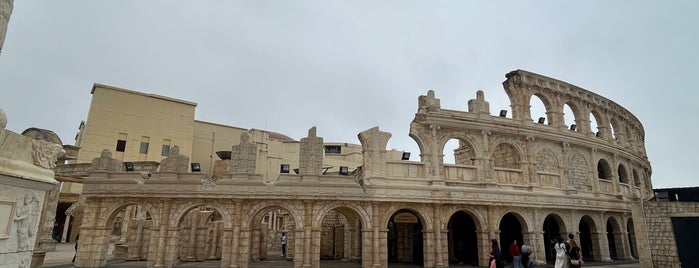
661	234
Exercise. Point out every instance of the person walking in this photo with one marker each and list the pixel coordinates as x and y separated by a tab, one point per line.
561	254
526	261
514	252
575	255
283	244
496	259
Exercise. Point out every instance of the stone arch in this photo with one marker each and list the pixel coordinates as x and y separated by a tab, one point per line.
545	100
420	213
588	237
512	225
259	242
258	211
463	227
604	171
419	140
506	154
113	210
341	225
477	217
617	130
138	230
578	115
623	175
405	242
614	238
553	227
345	208
599	123
181	211
199	230
466	151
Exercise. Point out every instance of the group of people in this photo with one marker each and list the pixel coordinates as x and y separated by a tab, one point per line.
568	254
520	258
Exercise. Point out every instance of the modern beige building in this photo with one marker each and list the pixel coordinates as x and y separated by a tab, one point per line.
514	177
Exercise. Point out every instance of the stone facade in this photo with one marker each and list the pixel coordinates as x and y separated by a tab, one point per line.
5	12
661	236
25	179
514	179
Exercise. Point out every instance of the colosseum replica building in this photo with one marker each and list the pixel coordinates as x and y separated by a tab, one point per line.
514	177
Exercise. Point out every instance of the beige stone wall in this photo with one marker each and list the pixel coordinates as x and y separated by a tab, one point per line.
661	235
117	113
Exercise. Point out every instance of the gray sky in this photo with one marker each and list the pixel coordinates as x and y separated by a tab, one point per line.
347	66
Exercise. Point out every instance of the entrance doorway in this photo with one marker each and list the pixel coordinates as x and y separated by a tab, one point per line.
405	240
463	242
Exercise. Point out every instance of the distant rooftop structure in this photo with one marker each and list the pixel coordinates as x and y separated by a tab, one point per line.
680	194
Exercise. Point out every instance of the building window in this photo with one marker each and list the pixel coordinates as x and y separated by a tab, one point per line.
333	149
144	148
121	145
166	150
284	168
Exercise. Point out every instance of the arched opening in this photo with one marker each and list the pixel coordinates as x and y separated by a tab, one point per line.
569	118
272	238
587	227
595	123
405	240
552	231
538	110
604	172
463	239
200	233
632	238
341	237
130	233
616	129
458	152
636	179
614	239
510	230
623	177
505	156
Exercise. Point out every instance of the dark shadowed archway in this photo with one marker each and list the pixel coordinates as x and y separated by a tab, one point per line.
463	240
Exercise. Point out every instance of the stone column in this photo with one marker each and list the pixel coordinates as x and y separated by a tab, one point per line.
484	243
235	247
307	235
439	256
66	225
374	143
163	248
600	245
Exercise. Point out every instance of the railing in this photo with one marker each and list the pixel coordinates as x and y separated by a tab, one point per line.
510	176
459	173
405	169
606	186
549	179
625	189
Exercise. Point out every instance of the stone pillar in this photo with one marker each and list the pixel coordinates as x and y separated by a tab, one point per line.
255	249
244	256
307	229
374	143
484	244
165	250
368	248
92	248
235	247
311	154
536	241
45	240
244	155
66	225
438	254
600	245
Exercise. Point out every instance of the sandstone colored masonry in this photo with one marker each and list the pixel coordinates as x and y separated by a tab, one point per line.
26	180
514	178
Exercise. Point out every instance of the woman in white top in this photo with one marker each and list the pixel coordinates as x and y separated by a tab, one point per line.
561	256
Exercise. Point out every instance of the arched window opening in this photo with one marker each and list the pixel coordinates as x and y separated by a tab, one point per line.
506	156
595	124
457	152
632	238
604	172
537	110
623	177
636	179
569	118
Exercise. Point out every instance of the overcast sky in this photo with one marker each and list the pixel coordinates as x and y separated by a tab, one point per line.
347	66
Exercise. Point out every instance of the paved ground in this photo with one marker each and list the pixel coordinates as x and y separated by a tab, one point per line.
63	255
